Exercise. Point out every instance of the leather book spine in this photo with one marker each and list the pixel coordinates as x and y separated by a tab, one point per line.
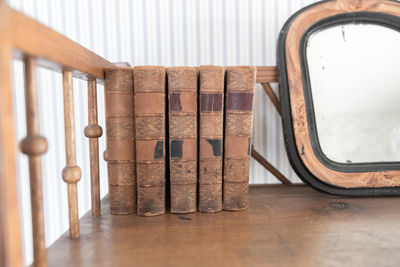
211	124
240	83
150	123
182	96
120	140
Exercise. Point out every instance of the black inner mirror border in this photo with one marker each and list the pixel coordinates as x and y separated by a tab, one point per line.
287	122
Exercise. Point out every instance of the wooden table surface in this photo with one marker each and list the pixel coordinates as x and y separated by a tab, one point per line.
284	226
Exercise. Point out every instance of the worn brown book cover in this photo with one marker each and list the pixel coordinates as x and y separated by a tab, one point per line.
150	123
211	137
182	96
120	140
240	83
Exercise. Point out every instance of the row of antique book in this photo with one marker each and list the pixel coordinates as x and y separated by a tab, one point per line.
178	138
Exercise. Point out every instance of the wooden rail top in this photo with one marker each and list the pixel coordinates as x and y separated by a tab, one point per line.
53	50
267	74
56	52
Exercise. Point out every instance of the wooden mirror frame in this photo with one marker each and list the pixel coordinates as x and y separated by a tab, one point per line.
301	140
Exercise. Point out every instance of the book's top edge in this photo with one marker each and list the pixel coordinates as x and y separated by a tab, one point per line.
149	67
183	68
212	67
179	67
195	67
117	68
241	67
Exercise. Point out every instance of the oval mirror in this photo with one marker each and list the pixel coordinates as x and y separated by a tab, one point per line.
339	67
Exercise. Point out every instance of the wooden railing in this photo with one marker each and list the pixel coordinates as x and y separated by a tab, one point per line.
39	46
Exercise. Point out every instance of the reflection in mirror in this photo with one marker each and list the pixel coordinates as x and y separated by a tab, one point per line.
354	72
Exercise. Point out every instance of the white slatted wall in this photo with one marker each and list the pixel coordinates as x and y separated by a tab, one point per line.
156	32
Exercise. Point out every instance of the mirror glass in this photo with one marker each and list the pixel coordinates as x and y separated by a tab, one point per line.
354	72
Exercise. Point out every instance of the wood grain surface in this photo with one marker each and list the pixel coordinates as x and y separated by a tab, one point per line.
298	107
11	250
34	145
284	226
71	173
93	131
54	50
267	74
272	96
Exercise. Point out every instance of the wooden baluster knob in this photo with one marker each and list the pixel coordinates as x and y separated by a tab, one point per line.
71	174
93	131
105	155
33	145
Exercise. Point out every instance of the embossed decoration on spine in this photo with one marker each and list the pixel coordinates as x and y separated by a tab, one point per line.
240	82
182	97
150	120
211	138
71	174
120	134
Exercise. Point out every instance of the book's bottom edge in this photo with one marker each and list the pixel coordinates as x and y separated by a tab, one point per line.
210	211
151	214
236	209
122	212
183	212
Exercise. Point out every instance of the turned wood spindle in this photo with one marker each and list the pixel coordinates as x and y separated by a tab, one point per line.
71	174
93	131
34	145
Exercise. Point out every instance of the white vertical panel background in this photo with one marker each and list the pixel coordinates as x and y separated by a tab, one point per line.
152	32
